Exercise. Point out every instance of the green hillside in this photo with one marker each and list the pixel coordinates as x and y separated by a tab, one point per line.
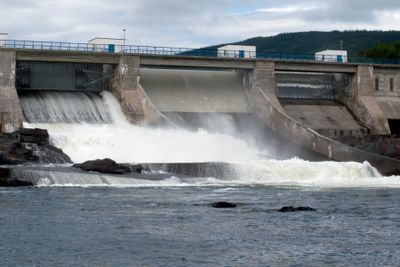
311	42
390	50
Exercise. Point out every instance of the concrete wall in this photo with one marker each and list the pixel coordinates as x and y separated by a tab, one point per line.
135	103
387	91
10	108
359	98
177	90
263	78
384	75
296	133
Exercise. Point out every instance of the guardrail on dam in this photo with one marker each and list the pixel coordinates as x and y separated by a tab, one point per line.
368	95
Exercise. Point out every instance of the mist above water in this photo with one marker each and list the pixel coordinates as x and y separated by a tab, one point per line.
123	142
117	139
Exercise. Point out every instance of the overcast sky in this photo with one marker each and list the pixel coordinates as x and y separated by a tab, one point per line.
189	23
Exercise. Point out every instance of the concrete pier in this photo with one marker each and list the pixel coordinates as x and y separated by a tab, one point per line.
135	103
10	108
363	92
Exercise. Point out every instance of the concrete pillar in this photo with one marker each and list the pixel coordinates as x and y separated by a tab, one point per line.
363	91
135	104
263	77
10	108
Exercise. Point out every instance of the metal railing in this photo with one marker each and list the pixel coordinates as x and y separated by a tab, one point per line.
183	51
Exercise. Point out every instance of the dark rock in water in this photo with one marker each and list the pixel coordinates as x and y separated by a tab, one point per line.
20	151
29	146
293	209
33	136
5	172
6	158
51	154
137	168
7	181
223	205
13	182
103	165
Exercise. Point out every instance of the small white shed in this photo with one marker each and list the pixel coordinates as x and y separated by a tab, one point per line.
3	38
237	51
331	55
110	45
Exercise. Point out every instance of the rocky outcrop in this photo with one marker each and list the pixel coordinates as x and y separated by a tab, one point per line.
29	146
293	209
223	205
7	181
108	166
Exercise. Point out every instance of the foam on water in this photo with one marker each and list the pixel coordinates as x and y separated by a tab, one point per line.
297	172
124	142
287	173
127	143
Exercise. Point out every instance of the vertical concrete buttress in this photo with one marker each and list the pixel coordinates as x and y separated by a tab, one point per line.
135	104
263	77
363	91
10	108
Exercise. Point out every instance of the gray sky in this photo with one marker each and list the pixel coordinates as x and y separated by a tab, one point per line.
189	23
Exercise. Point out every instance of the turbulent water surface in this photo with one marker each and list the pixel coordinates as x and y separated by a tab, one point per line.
176	226
80	219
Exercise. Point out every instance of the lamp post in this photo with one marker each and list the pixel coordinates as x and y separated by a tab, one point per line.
123	48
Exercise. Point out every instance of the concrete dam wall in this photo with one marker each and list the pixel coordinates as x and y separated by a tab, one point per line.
177	90
149	87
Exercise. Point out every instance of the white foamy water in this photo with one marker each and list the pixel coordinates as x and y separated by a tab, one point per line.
127	143
327	174
287	173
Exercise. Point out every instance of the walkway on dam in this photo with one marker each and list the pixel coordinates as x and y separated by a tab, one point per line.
179	51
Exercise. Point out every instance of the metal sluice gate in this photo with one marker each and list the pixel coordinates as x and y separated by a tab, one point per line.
57	76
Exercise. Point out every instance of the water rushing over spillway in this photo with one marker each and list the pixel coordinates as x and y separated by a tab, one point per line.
63	107
98	129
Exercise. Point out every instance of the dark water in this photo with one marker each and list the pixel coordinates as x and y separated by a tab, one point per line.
175	226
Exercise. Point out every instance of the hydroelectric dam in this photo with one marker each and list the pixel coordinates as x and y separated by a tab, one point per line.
327	110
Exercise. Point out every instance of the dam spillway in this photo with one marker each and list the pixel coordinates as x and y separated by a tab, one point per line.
64	107
117	139
258	81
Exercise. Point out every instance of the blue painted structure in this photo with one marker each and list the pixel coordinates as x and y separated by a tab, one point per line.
111	48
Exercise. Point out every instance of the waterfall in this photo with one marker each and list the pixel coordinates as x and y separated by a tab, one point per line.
63	107
91	126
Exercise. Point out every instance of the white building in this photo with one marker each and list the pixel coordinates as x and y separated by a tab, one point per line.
332	55
110	45
3	37
237	51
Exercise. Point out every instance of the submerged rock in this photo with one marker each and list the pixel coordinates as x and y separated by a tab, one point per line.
104	165
293	209
223	205
29	146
